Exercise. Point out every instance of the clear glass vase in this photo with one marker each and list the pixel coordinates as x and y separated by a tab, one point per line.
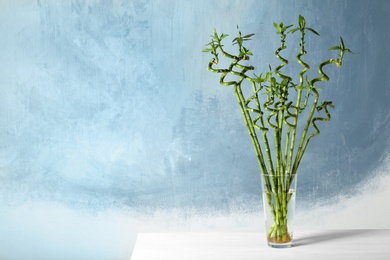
279	208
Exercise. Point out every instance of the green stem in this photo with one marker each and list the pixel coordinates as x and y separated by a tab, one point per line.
306	67
304	142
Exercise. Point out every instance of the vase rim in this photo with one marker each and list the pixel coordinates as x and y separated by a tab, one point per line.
284	174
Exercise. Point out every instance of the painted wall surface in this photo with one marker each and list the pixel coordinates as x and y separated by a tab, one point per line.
110	123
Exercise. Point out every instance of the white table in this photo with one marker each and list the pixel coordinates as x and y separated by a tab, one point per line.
354	244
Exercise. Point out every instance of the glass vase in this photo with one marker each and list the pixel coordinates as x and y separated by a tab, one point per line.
279	208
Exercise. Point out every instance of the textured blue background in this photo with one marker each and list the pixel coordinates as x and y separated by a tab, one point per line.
111	124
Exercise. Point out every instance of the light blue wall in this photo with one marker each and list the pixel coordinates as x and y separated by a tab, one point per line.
107	106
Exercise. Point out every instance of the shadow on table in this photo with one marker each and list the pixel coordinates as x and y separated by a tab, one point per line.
329	235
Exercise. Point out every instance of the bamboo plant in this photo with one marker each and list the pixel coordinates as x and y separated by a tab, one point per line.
274	109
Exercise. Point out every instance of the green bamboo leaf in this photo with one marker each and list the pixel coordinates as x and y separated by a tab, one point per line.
259	79
286	27
313	31
293	30
278	28
248	36
342	43
301	22
223	36
267	75
207	50
334	48
215	34
238	40
342	47
273	82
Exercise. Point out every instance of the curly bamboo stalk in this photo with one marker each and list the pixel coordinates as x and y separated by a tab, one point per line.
243	104
310	120
283	90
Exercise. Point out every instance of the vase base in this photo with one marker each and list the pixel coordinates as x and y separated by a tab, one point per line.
285	242
280	245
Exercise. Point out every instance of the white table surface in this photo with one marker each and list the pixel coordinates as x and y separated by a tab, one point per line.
347	244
